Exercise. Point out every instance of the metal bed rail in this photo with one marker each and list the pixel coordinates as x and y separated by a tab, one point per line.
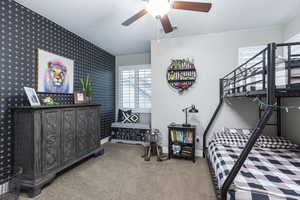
290	58
251	76
247	75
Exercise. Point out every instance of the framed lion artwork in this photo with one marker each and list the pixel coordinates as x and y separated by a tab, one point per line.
55	73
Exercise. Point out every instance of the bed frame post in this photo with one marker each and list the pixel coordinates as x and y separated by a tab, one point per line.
278	117
261	123
271	74
213	117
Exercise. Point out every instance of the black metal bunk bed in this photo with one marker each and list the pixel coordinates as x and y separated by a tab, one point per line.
258	78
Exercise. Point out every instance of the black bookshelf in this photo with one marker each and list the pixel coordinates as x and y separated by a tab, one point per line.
182	142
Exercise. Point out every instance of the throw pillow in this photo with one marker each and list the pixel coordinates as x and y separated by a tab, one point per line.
133	118
122	114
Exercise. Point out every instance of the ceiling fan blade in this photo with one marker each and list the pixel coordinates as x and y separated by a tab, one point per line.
194	6
135	17
165	21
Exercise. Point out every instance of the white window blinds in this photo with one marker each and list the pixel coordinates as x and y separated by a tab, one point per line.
135	87
144	88
127	81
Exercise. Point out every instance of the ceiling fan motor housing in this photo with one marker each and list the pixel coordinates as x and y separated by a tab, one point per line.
160	8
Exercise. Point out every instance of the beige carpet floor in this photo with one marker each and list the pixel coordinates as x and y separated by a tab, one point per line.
121	174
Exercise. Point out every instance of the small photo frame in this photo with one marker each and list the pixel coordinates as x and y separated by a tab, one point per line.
32	96
79	97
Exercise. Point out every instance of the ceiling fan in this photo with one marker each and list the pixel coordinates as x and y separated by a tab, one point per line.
160	9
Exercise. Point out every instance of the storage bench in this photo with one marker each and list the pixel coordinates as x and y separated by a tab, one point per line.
132	133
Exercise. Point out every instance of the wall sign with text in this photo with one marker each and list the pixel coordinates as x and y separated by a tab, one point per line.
181	74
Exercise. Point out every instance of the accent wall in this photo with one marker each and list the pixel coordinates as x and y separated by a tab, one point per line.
22	33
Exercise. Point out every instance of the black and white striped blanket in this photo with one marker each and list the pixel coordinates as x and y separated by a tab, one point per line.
267	174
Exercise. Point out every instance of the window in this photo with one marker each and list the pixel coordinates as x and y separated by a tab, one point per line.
135	87
245	53
295	49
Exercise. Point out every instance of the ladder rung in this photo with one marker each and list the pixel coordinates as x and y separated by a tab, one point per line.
275	110
271	124
295	55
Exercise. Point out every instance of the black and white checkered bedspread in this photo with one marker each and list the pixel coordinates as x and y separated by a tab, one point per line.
267	174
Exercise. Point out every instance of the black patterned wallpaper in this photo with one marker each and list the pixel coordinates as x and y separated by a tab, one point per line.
22	32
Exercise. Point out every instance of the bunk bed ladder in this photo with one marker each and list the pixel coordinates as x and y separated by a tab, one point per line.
278	116
239	163
213	117
271	99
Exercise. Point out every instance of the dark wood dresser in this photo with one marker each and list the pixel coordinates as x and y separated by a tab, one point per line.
49	139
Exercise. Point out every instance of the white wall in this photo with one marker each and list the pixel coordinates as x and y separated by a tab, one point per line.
133	59
295	38
291	29
214	55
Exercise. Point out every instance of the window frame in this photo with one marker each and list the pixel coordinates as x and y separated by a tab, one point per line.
119	90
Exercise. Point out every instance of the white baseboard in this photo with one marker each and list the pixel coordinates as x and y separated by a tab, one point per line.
105	140
165	150
4	188
198	152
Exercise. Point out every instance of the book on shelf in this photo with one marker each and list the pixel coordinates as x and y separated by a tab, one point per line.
176	149
187	150
180	136
179	150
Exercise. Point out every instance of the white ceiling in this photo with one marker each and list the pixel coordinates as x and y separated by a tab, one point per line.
99	21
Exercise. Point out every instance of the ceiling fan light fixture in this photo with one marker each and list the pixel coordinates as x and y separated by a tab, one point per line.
158	7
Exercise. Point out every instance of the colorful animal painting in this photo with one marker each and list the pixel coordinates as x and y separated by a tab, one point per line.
55	73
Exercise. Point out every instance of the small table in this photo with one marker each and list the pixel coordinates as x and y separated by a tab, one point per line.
182	142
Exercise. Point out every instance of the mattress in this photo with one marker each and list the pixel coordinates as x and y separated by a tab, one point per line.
267	174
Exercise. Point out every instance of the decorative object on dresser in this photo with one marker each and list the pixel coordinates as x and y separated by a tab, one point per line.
182	141
86	85
32	96
55	73
190	109
48	139
79	97
181	74
49	101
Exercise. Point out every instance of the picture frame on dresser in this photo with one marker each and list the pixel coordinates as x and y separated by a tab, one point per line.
32	96
79	97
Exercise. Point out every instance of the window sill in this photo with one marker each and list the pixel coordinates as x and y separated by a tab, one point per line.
134	110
